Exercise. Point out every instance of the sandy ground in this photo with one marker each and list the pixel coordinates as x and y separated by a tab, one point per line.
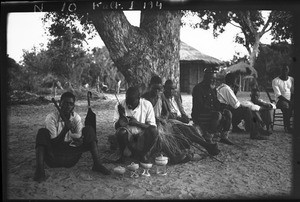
262	169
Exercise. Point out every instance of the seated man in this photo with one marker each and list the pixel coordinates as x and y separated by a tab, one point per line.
206	110
229	100
135	123
183	134
54	142
174	102
265	109
157	98
283	87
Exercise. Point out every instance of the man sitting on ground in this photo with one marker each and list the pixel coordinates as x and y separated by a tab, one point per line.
134	121
229	101
54	143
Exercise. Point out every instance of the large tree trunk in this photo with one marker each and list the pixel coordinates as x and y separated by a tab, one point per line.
141	52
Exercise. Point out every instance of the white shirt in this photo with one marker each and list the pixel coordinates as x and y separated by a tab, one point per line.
55	124
174	106
226	95
158	107
143	113
284	88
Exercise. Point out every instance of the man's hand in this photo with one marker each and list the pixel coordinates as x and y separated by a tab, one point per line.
69	126
133	121
161	120
121	110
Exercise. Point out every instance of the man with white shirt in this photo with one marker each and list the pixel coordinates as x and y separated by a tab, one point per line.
283	87
228	99
64	139
135	123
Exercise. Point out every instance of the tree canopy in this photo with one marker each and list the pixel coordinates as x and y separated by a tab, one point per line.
252	23
152	48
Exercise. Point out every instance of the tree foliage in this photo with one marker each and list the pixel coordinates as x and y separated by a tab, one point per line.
40	68
15	73
151	48
283	26
103	67
68	56
251	23
271	59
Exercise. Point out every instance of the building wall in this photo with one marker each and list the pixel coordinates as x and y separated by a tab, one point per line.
191	73
184	81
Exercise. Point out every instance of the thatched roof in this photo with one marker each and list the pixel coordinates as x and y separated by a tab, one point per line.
188	53
243	68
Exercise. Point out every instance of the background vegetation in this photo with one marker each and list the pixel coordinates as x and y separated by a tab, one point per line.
65	58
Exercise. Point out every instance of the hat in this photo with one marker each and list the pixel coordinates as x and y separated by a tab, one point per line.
169	84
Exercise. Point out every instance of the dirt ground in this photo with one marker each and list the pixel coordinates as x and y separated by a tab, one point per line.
262	169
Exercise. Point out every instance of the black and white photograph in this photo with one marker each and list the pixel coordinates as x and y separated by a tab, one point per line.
149	100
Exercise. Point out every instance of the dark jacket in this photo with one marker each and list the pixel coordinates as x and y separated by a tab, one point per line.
204	101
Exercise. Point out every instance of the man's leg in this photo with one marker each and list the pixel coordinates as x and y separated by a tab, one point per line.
267	118
90	140
215	121
288	118
122	139
150	139
226	120
225	126
239	114
204	124
216	124
42	142
284	107
256	130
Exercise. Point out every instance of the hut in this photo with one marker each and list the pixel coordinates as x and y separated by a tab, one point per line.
247	74
192	65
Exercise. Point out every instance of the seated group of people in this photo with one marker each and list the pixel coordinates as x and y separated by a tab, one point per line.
154	122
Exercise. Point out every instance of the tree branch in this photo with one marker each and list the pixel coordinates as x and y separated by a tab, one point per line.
264	29
113	26
235	25
270	28
249	22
